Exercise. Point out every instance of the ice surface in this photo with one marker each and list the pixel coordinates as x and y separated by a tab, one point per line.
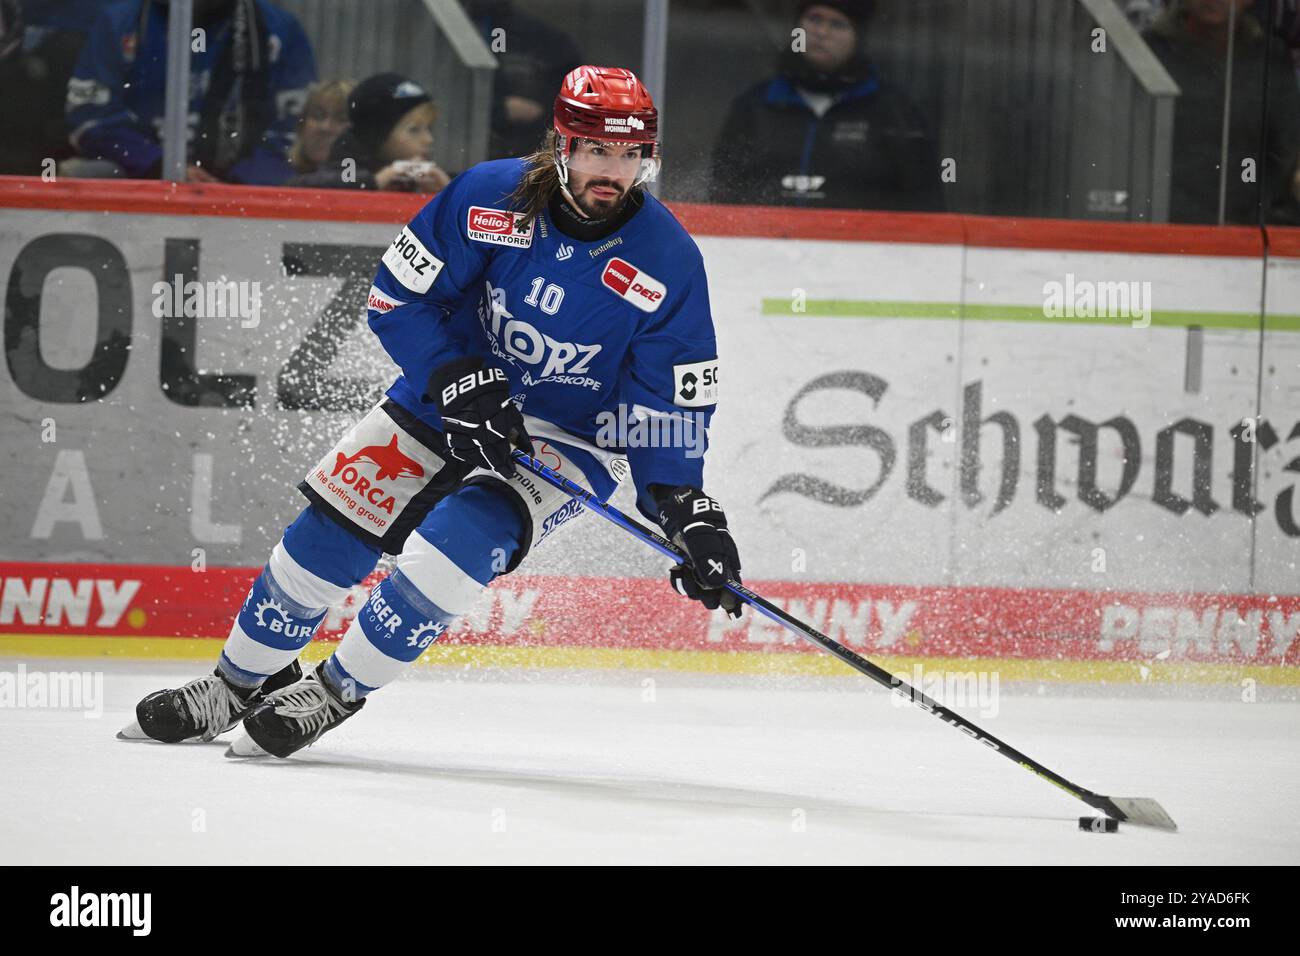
534	767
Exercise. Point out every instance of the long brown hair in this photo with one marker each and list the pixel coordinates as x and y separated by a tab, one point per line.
540	181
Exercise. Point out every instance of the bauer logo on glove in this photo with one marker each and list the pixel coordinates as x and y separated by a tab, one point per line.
695	523
480	422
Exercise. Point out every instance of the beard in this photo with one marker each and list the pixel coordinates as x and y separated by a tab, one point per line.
600	208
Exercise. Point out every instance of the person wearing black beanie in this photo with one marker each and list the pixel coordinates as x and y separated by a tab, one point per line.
833	56
390	143
377	104
827	131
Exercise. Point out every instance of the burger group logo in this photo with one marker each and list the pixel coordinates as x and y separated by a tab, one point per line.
500	227
628	282
272	616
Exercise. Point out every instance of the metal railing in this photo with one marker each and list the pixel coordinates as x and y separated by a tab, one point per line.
431	41
1045	116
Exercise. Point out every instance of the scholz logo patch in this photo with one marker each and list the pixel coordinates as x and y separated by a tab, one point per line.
695	385
411	263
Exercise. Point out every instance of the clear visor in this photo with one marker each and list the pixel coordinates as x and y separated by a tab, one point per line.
613	160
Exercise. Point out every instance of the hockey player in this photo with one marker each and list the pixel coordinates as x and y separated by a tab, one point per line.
527	302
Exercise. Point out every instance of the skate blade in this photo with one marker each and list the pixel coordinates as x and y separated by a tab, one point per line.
132	731
245	746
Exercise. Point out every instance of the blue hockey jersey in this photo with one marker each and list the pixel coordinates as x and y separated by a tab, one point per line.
117	93
586	332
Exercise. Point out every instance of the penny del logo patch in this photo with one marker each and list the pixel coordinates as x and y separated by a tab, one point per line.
501	227
628	282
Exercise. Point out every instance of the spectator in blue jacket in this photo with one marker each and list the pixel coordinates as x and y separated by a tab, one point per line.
827	130
248	81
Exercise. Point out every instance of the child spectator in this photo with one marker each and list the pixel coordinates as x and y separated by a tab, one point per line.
390	143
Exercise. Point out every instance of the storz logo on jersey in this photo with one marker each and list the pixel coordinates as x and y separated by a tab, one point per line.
411	263
499	226
570	509
538	356
641	289
695	384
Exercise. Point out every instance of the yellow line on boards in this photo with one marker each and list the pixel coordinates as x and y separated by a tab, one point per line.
720	662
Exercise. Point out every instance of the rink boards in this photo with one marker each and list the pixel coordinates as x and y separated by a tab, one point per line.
541	621
1070	448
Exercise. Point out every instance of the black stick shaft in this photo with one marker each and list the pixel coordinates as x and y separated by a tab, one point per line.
856	661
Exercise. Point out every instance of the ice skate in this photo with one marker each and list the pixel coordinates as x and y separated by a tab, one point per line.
292	718
203	709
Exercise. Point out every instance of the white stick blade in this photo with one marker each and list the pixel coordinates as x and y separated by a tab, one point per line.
1145	812
245	746
132	731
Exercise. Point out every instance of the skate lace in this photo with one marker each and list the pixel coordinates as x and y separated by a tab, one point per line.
211	704
308	703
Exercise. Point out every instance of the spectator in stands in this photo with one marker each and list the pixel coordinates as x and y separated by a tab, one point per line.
41	42
827	130
324	119
248	82
532	60
1191	40
1286	26
390	143
1143	13
11	29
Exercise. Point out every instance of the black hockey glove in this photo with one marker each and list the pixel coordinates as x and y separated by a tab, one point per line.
479	421
695	523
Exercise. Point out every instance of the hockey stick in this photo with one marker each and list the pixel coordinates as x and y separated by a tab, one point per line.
1142	811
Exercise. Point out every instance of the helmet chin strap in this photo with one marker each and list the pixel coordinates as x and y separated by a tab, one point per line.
562	169
564	191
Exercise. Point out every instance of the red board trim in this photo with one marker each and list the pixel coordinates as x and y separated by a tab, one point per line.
121	600
769	222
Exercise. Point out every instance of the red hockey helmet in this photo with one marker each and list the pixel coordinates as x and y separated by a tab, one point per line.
608	104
